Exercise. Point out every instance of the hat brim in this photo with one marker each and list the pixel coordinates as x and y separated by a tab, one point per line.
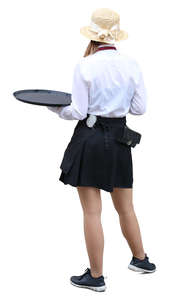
122	35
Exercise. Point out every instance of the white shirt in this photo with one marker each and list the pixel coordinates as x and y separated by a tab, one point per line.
106	83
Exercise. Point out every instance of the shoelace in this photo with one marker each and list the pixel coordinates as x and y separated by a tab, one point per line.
146	258
86	271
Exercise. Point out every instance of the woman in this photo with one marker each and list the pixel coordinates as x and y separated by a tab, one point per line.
106	86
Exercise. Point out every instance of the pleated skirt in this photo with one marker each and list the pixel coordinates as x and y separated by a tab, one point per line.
94	157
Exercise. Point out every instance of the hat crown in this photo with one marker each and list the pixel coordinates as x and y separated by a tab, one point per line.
105	18
104	27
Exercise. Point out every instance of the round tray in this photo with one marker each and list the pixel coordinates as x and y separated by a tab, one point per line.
43	97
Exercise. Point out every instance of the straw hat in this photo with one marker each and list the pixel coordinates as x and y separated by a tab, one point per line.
104	27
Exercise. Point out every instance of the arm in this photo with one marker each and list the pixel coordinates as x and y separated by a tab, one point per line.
139	100
78	108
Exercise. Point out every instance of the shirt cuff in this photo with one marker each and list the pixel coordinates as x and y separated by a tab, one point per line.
69	112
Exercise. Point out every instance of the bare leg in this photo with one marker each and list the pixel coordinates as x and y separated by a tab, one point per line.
122	200
91	204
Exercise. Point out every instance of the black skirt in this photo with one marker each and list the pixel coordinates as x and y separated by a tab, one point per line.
95	158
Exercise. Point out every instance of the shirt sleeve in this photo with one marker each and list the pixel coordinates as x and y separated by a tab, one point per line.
139	100
78	108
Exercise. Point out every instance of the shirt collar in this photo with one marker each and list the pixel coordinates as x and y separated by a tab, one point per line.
105	45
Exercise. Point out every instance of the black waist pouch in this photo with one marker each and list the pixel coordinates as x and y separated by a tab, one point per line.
128	136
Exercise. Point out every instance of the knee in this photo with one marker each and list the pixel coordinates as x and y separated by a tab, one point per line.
125	211
92	213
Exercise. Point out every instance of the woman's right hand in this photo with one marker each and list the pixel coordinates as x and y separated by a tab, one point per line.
53	108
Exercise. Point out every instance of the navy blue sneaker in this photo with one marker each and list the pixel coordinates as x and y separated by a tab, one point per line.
141	265
87	281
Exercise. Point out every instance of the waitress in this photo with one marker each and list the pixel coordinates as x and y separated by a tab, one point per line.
106	86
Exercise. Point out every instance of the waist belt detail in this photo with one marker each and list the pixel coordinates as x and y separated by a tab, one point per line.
91	120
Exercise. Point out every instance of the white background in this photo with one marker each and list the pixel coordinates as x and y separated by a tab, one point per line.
41	230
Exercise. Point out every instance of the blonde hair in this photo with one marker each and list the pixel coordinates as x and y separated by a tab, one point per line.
92	46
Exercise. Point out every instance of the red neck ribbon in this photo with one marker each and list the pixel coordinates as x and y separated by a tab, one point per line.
106	48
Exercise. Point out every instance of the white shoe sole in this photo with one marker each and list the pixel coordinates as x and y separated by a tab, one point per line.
94	288
136	269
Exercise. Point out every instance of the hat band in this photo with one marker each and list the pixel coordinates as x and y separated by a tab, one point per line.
104	33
